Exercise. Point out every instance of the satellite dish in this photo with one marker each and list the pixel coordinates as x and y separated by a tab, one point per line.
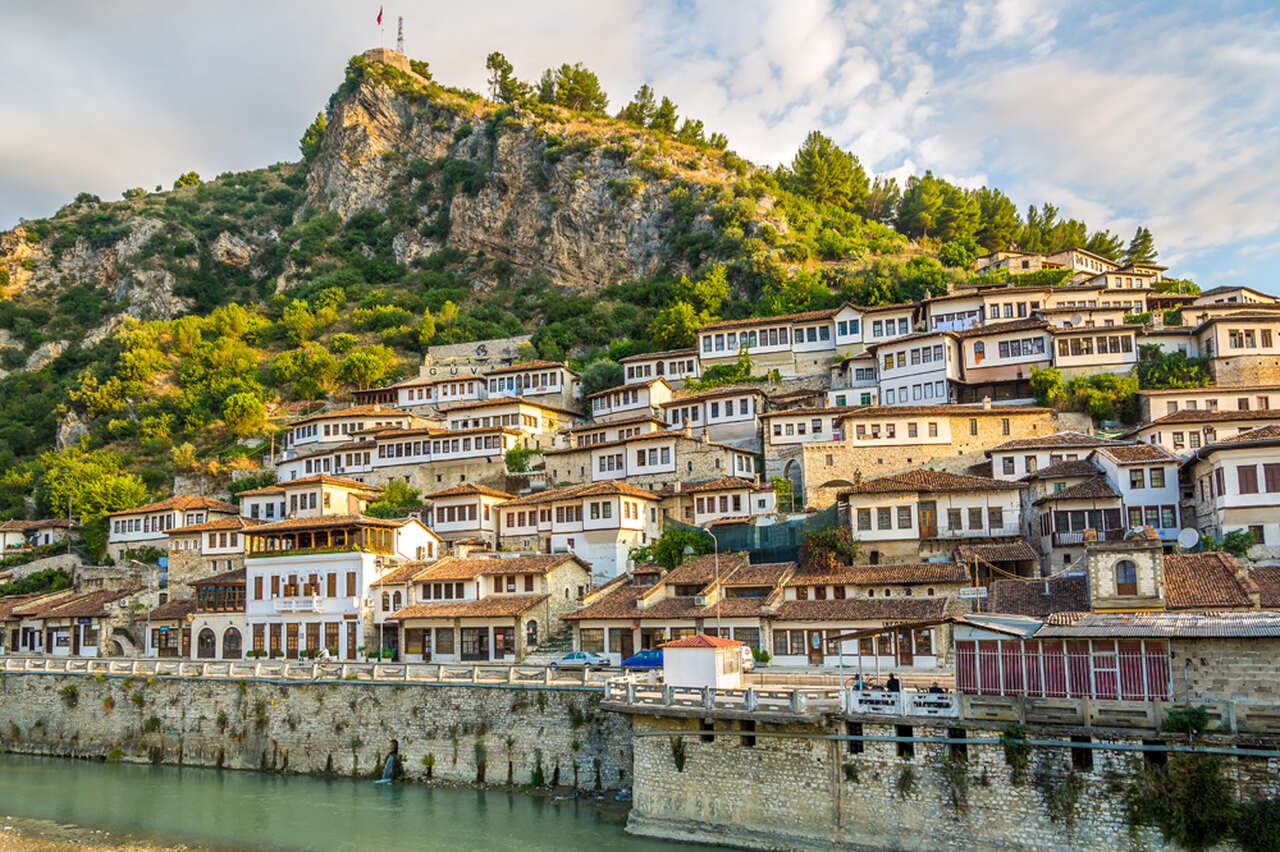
1188	538
1077	319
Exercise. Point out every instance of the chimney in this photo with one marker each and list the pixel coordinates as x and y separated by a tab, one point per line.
706	435
675	486
986	403
688	430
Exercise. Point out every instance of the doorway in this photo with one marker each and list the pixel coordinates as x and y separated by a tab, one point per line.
815	647
928	519
905	656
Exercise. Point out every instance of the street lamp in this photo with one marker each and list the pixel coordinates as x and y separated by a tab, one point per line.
688	550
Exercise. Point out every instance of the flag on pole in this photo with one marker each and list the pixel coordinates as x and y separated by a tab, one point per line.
379	16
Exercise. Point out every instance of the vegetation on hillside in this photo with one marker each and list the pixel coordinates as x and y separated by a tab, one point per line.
281	307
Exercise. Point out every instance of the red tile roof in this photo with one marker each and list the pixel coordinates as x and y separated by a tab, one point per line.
1205	581
181	503
607	488
1138	452
887	573
456	568
174	610
724	483
863	609
1267	579
803	316
701	640
531	365
645	356
1057	440
315	479
236	523
321	521
1094	488
354	411
467	489
931	482
1014	551
1028	597
494	606
1071	467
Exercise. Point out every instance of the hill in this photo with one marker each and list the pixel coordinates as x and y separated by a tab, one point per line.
165	334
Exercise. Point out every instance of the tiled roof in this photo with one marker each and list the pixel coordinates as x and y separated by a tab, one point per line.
353	411
1205	581
1267	579
809	411
633	386
494	606
1071	467
863	609
180	503
467	489
457	568
47	524
606	488
931	482
1013	551
1269	432
724	483
890	306
530	365
803	316
714	393
173	610
13	602
1003	328
1137	452
1220	389
625	421
226	578
618	603
236	523
89	605
642	436
1027	597
471	404
1219	416
887	573
1058	440
314	479
701	640
941	410
757	574
645	356
290	524
1093	488
702	569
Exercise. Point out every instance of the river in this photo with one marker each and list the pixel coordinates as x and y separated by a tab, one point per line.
169	805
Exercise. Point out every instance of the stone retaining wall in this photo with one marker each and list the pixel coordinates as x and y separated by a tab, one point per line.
334	727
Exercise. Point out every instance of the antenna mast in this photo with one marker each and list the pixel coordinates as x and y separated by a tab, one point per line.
400	35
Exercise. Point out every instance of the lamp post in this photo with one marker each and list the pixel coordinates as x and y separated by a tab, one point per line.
716	551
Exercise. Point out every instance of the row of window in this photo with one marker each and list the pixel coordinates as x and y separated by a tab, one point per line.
528	420
727	503
1245	338
885	515
814	425
1077	346
1242	404
918	392
678	369
590	439
863	430
460	514
919	355
521	381
292	585
616	400
1144	478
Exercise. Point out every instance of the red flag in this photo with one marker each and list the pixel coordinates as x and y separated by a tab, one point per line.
379	16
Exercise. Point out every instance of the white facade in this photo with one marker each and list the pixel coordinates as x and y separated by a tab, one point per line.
674	366
918	370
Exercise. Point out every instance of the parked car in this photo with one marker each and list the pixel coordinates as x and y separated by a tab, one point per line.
580	660
650	659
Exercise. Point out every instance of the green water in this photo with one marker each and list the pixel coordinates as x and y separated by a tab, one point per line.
249	810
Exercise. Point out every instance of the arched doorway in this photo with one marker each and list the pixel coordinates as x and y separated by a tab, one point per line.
231	648
206	645
531	632
792	472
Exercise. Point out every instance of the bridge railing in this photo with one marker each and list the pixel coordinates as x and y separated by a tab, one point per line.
306	670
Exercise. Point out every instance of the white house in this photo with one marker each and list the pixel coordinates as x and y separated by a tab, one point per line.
725	414
674	365
544	381
630	401
149	525
466	512
918	368
1017	457
1235	485
337	427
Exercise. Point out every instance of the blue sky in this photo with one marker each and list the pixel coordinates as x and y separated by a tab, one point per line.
1121	114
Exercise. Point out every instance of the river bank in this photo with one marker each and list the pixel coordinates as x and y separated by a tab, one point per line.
21	834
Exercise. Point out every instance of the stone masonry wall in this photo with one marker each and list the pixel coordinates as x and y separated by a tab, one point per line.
1245	370
786	793
341	727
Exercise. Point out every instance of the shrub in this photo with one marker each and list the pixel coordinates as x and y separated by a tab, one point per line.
1017	753
70	695
1188	800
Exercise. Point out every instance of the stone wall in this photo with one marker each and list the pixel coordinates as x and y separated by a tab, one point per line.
1245	370
785	793
187	566
696	460
338	727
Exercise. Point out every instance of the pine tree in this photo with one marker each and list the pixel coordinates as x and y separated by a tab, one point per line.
664	117
503	85
828	175
998	220
641	108
313	138
1106	244
920	206
1142	248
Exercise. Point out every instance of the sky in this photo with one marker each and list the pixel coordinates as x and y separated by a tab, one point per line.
1162	114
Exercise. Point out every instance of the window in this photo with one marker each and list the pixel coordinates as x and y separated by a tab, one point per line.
1257	533
864	519
1247	477
1156	477
1137	478
975	519
1126	577
1271	477
904	517
954	519
884	519
1007	465
973	425
995	519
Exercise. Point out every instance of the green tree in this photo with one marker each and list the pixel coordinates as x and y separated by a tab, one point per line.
517	458
575	87
691	132
600	375
133	192
1158	369
312	138
664	117
362	367
1046	385
1142	248
396	495
668	549
1106	244
998	220
718	141
921	205
676	326
298	321
828	548
958	253
825	173
783	493
881	202
187	179
959	215
93	484
244	414
708	293
641	107
503	85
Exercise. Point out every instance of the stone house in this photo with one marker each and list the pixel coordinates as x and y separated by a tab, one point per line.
711	500
65	624
466	512
494	608
308	497
149	525
728	415
199	550
1153	404
1234	484
207	626
912	516
551	383
1185	432
590	434
674	365
878	440
600	522
799	344
1243	347
420	394
650	459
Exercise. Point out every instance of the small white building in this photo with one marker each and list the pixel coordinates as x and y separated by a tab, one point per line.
702	661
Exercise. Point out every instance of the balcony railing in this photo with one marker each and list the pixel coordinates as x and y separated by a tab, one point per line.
305	603
1064	539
